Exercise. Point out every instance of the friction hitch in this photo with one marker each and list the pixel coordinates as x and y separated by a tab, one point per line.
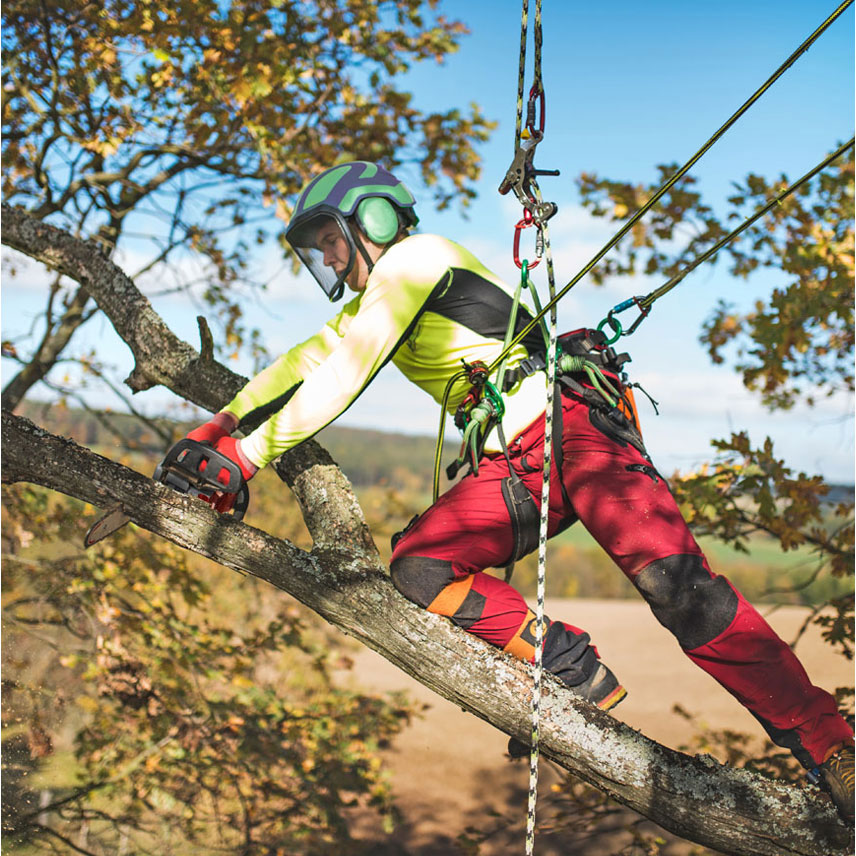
192	467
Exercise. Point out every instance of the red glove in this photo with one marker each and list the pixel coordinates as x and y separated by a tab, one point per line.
215	429
231	448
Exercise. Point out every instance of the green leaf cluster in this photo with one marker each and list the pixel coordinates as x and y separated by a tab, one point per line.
748	490
182	131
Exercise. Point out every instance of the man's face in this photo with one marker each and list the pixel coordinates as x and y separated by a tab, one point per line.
335	250
331	242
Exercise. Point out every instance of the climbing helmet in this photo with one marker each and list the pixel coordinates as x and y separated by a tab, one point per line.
358	192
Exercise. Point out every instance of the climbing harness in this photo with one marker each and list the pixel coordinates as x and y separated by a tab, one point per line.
645	303
482	407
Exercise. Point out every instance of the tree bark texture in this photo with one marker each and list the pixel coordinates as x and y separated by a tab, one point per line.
343	580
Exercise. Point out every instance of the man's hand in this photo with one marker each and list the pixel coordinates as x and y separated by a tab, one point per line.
230	448
220	426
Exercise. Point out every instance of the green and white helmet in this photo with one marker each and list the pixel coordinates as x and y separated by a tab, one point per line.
362	192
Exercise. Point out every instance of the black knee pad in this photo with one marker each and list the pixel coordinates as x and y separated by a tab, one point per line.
687	600
420	578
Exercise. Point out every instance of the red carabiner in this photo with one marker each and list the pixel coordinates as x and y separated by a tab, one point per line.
525	223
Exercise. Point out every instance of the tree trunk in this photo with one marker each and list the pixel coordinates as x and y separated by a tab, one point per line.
342	579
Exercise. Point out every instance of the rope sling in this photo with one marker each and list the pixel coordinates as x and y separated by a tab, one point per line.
645	303
486	407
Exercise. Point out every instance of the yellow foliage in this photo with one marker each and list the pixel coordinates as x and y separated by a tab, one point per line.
90	705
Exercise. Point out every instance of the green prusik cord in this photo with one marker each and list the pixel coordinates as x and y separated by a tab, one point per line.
479	416
570	363
649	299
438	451
536	302
681	172
512	321
438	448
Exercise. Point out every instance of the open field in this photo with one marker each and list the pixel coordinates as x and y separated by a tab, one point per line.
450	769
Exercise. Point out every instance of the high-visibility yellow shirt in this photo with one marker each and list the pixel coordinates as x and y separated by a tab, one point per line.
428	305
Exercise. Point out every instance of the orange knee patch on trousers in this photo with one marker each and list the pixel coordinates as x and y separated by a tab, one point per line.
451	597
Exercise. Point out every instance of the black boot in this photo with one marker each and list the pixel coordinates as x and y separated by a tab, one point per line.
835	776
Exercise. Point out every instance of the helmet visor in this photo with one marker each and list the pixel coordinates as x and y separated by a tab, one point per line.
324	244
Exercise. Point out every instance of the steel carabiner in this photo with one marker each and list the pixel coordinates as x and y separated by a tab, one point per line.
536	96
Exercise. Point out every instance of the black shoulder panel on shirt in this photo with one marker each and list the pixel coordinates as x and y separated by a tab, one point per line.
483	307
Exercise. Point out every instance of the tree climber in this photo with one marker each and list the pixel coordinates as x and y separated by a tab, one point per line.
427	304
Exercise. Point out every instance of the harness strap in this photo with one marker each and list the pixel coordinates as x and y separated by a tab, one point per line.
521	510
590	344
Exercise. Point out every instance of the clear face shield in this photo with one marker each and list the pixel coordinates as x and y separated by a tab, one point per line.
323	242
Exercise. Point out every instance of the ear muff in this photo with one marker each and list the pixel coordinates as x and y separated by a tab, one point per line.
378	218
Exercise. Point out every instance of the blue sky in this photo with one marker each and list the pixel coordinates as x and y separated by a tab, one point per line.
628	85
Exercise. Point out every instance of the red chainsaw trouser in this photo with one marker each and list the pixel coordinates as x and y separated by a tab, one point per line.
628	508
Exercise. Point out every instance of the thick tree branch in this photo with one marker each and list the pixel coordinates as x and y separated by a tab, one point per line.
341	579
160	356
